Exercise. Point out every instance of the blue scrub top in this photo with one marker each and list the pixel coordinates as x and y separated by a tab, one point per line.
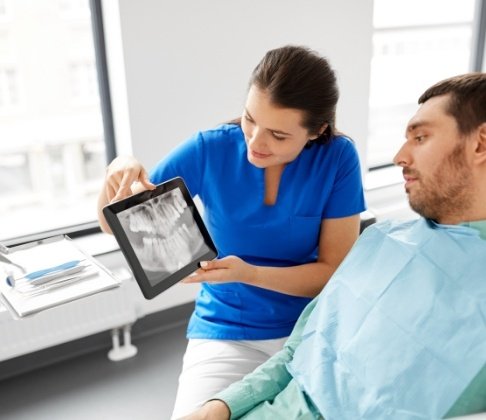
324	181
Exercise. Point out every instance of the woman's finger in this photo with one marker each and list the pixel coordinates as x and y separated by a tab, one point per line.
124	190
213	276
216	264
146	182
109	191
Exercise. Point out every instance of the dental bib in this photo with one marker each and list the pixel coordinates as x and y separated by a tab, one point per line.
399	332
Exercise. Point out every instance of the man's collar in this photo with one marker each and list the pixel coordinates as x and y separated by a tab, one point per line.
478	225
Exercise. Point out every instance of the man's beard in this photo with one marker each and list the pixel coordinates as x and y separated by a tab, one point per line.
448	192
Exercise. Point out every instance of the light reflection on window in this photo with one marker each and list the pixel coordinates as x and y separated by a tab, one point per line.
411	51
52	146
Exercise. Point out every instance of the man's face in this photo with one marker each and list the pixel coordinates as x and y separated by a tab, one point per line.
438	177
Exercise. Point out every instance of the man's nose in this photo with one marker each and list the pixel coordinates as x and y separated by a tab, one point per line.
402	158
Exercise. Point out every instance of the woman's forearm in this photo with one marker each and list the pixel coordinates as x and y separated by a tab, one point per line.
305	280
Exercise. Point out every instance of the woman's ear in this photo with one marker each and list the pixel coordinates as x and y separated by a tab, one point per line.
321	130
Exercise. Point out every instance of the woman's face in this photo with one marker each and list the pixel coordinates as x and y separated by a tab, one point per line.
274	136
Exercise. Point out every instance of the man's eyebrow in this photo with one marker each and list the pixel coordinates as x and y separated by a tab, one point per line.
415	125
269	129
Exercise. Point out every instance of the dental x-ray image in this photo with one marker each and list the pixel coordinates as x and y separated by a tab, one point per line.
163	234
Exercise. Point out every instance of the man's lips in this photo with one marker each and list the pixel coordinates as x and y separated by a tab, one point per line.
409	178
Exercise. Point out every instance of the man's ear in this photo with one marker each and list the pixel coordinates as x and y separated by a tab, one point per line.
480	151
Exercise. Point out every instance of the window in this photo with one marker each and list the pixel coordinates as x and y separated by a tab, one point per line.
415	44
8	88
53	148
4	10
84	86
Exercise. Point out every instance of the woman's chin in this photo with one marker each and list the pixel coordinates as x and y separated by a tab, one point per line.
259	163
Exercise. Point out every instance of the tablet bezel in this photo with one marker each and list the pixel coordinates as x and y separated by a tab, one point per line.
110	212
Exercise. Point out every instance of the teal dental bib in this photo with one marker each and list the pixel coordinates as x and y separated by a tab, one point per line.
400	330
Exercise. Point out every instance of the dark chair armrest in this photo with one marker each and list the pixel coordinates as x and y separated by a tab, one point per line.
367	218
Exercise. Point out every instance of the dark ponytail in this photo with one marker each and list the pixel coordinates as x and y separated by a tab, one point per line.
297	77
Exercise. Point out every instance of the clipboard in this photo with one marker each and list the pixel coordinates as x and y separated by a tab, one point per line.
34	257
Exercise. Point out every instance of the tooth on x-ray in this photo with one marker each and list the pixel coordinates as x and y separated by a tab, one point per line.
163	233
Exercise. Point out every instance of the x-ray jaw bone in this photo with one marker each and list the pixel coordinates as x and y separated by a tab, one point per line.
163	232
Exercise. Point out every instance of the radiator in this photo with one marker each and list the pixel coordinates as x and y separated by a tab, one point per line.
111	311
90	315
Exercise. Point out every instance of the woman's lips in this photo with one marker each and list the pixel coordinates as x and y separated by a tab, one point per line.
260	155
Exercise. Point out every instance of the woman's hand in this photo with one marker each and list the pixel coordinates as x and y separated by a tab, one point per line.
228	269
121	173
212	410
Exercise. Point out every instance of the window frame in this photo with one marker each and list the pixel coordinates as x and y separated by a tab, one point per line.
479	37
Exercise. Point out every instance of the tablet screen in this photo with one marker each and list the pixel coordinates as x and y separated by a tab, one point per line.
161	234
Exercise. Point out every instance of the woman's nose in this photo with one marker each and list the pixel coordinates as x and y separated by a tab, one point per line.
256	136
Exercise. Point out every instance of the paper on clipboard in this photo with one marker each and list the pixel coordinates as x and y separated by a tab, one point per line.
47	253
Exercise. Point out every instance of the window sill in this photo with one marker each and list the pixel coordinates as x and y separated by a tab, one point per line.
384	177
88	236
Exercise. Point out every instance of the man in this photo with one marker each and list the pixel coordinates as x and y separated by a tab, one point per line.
399	332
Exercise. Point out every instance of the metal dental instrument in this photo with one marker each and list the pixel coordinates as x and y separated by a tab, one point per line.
4	259
3	252
56	284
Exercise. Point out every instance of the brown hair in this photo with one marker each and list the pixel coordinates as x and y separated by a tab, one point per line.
297	77
467	104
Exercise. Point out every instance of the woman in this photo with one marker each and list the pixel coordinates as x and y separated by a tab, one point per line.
282	194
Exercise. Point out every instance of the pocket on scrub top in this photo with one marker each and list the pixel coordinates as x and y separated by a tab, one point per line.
223	299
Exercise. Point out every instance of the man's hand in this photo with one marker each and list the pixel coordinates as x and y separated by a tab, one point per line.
212	410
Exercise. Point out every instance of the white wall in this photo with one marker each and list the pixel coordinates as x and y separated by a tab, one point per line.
176	67
181	66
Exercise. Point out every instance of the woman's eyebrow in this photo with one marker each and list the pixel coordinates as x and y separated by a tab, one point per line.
248	113
269	129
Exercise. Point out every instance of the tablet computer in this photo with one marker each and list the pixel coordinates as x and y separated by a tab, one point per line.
161	235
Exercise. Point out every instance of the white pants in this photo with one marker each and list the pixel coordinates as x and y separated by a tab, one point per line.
209	366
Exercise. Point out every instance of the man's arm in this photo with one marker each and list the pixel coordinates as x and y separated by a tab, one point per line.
263	384
270	378
212	410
